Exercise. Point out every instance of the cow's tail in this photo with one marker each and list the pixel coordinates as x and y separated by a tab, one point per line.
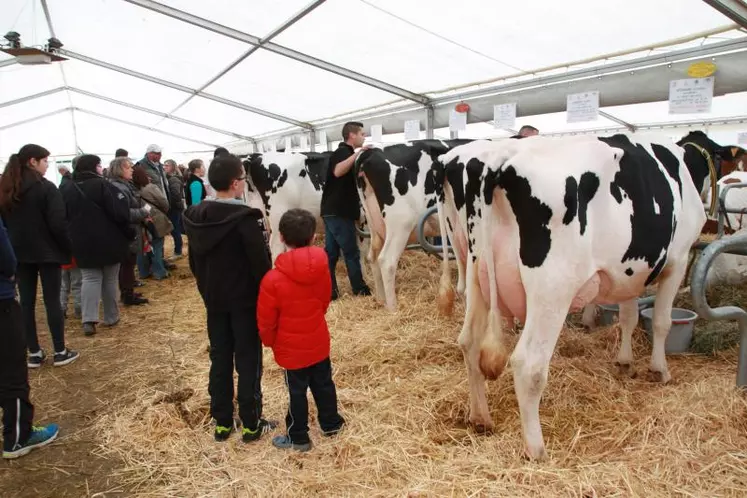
493	351
445	298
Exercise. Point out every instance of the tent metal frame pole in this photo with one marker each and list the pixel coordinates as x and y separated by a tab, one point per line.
736	10
630	127
287	24
161	114
48	17
278	49
182	88
735	45
35	118
429	115
27	98
144	127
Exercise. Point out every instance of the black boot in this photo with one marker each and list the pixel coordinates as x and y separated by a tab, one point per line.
130	299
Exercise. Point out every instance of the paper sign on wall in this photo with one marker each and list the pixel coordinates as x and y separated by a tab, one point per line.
690	96
504	115
304	143
742	138
376	133
288	144
582	107
412	129
457	120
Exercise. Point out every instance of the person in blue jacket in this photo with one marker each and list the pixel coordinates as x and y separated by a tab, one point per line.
20	436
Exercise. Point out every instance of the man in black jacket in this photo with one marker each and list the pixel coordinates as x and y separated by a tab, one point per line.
228	255
341	209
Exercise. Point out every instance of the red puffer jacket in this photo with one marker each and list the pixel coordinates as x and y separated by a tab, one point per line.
293	299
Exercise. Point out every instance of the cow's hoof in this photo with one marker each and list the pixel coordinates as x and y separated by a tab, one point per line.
539	455
626	370
482	426
658	377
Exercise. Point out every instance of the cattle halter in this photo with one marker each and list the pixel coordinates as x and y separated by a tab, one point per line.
712	174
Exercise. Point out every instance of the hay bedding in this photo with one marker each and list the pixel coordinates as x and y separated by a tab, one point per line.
402	388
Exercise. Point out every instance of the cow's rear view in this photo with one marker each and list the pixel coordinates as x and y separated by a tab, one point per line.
553	224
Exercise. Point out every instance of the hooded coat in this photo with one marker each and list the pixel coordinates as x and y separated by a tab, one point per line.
293	300
37	225
228	253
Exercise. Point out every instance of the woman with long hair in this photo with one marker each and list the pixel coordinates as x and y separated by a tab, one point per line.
101	234
34	214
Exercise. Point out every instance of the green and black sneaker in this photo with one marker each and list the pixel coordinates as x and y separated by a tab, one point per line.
264	426
222	432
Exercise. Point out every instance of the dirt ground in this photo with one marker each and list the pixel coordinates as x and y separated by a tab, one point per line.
402	387
75	395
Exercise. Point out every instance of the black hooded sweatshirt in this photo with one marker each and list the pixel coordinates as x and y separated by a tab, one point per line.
228	253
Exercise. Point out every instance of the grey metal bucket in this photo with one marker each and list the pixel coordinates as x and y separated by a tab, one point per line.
610	311
680	335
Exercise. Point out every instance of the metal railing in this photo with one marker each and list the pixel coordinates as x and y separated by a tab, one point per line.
732	245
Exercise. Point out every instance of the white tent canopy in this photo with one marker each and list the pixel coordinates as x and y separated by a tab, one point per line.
192	75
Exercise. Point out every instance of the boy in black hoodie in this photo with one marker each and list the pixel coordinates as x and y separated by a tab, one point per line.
228	256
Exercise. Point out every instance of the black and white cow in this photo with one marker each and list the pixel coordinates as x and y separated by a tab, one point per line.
396	185
279	181
553	224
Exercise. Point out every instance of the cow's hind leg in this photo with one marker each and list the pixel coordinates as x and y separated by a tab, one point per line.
374	251
628	318
471	341
662	321
546	313
276	245
395	243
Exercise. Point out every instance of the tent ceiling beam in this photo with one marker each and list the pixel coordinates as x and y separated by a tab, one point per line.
710	50
48	17
736	10
636	81
35	118
161	114
617	120
278	49
287	24
181	88
144	127
656	126
32	97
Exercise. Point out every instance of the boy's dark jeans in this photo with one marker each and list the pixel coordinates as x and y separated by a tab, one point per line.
318	378
18	412
234	335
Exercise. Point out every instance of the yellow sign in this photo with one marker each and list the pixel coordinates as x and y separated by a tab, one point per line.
701	69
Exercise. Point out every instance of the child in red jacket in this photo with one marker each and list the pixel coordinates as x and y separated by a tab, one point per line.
293	299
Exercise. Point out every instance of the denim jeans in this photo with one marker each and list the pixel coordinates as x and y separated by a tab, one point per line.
176	234
340	235
152	261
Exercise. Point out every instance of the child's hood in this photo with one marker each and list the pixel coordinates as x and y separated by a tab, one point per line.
209	222
304	265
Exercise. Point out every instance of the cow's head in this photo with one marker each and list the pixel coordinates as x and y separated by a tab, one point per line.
732	159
